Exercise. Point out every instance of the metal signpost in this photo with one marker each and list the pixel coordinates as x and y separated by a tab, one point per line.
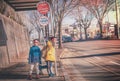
43	8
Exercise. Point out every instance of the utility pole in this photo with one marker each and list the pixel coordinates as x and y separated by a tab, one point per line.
116	8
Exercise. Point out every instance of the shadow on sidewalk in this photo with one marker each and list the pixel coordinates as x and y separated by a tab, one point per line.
20	71
99	55
13	76
17	71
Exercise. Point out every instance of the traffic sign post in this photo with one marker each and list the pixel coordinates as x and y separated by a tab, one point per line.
44	20
43	7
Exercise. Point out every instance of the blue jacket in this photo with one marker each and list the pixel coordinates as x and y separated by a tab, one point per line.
35	54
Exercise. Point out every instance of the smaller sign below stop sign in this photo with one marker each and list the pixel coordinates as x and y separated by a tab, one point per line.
43	7
44	20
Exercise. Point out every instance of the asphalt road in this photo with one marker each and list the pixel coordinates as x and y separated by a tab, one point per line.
92	60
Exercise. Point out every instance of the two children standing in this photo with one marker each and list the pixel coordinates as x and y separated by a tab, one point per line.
35	55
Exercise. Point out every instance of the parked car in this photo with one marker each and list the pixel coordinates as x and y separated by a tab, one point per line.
67	39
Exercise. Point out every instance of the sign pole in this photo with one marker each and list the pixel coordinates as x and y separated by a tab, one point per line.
55	60
117	19
43	8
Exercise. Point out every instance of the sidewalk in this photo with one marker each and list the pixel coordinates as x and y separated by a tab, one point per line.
19	72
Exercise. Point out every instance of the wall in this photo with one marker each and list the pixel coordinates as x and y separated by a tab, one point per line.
16	45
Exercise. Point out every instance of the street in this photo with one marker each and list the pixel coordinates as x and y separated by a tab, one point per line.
80	39
92	60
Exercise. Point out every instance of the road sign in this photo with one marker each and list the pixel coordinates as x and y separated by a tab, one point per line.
43	7
44	20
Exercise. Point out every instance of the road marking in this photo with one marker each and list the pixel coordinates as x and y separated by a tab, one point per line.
114	62
98	58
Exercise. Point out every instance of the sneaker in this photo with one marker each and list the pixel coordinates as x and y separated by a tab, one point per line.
51	75
37	76
30	77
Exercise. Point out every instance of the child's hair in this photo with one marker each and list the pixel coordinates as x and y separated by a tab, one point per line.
35	40
52	38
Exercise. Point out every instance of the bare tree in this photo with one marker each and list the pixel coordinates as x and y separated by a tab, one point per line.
83	19
99	8
61	9
34	25
35	22
85	22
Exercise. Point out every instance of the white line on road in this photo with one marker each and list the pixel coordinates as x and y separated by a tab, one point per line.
114	62
98	58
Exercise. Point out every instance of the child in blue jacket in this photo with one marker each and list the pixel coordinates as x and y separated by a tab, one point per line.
34	58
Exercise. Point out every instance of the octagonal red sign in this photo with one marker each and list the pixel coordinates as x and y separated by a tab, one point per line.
43	7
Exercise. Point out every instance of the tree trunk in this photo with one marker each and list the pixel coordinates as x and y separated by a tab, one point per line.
100	25
39	35
60	34
85	29
80	34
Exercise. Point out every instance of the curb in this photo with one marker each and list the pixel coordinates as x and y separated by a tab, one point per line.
65	74
61	55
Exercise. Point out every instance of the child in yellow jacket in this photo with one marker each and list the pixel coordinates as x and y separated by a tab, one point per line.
50	56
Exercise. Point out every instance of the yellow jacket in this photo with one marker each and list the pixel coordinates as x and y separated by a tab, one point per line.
50	56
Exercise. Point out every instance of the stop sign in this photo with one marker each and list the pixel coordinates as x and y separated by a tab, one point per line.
43	7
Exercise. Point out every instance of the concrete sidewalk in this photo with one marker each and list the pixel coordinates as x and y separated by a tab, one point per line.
19	71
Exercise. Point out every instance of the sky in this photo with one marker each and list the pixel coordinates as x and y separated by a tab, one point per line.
111	17
68	20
